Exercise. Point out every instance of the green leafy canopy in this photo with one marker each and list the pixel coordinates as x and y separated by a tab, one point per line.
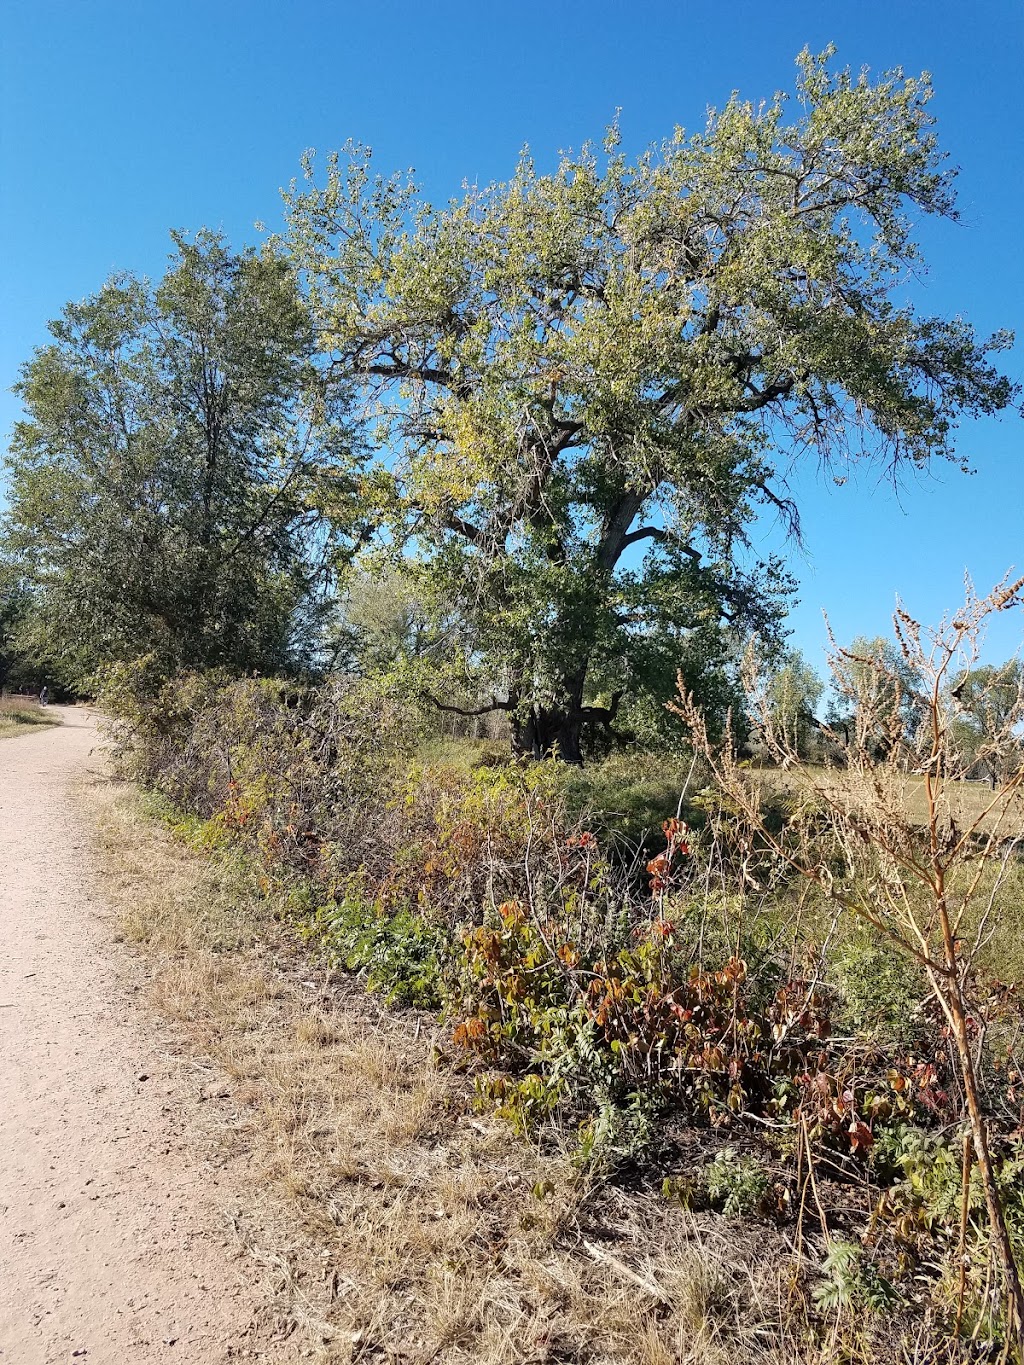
161	480
577	389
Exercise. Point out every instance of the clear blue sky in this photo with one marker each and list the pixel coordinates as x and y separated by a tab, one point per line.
120	119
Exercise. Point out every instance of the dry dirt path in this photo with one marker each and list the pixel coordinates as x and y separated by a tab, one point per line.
113	1247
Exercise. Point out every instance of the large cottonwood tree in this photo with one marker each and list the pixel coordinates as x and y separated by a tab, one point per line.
582	387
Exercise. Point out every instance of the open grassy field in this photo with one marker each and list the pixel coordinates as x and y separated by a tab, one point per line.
965	802
22	715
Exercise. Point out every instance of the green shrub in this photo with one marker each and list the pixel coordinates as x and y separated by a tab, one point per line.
401	955
852	1281
880	989
738	1185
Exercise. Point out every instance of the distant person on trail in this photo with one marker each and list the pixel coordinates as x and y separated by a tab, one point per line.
44	696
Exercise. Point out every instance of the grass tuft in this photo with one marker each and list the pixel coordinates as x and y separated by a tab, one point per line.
22	715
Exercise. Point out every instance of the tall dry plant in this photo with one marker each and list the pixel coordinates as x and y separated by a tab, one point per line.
889	830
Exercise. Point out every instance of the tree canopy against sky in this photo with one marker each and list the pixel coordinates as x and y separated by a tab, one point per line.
793	693
877	699
160	481
578	389
196	151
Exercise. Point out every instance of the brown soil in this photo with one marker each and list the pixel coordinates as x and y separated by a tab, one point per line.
115	1234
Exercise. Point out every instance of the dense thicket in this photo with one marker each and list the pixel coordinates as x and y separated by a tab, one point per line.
773	981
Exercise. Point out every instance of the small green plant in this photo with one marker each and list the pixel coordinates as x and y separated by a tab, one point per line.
401	955
738	1185
929	1193
880	989
852	1281
617	1132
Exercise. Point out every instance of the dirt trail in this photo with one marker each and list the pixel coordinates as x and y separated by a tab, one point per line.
113	1244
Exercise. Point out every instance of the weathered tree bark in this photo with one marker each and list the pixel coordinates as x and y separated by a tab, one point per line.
548	731
557	731
554	731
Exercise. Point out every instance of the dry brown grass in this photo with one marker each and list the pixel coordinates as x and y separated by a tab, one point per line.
406	1227
21	715
964	801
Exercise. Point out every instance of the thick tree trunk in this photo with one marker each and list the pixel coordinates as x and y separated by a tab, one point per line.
544	731
556	731
549	731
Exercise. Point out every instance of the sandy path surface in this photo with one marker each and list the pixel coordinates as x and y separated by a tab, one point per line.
113	1247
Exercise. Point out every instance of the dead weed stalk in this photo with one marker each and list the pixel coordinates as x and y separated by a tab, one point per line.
850	834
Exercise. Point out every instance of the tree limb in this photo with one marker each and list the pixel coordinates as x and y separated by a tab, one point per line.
645	533
493	705
604	714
